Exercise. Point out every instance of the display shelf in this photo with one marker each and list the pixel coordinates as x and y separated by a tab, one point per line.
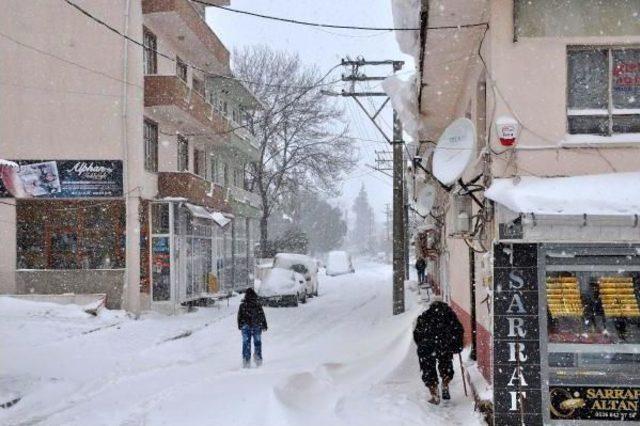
618	297
563	297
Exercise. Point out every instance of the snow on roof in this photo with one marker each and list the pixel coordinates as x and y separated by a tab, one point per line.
606	194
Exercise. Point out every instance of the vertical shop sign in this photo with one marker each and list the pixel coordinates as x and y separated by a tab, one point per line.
516	374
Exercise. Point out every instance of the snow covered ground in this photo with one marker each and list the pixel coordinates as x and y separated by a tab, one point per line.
341	359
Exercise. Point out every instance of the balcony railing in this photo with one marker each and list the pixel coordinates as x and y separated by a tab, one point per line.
171	91
186	16
193	188
246	197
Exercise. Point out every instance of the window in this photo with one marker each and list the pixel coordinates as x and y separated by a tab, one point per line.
214	169
150	56
150	146
181	69
199	163
53	234
235	115
603	95
225	175
570	18
183	154
198	86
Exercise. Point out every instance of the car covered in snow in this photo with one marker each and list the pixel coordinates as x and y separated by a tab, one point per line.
302	264
339	263
282	286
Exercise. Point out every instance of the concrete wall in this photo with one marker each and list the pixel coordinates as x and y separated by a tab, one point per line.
77	281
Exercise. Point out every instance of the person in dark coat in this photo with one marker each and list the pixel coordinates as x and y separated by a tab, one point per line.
421	265
251	322
438	335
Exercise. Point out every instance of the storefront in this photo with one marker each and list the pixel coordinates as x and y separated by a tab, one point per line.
566	308
189	253
70	230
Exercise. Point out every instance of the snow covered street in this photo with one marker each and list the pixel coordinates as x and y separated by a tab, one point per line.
341	359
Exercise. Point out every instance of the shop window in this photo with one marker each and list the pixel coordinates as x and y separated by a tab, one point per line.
181	69
183	154
160	218
603	95
70	235
150	55
593	315
150	146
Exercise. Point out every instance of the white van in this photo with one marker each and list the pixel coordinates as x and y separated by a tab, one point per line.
302	264
338	263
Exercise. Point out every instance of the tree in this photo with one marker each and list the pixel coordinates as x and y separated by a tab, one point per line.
302	136
322	223
364	227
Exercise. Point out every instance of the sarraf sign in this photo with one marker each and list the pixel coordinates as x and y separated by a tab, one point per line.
517	392
69	178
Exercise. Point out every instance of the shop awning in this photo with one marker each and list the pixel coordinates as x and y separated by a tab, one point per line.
606	194
198	211
220	219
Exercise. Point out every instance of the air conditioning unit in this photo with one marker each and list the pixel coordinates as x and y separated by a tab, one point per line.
461	213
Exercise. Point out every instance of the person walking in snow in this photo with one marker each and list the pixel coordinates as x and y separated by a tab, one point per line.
421	265
438	335
251	322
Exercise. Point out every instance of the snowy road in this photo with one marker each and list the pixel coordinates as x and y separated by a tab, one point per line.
341	359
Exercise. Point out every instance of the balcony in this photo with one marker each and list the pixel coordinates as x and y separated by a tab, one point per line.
181	22
246	197
168	99
193	188
243	141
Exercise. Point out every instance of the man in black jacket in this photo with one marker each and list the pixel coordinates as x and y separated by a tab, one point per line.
252	322
438	335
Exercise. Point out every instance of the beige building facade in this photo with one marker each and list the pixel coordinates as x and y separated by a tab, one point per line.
568	73
125	149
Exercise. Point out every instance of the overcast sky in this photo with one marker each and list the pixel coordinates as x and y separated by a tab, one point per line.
325	48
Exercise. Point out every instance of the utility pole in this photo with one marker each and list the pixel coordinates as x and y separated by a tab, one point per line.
400	250
399	231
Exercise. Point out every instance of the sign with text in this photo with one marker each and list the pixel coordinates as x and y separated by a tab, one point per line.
607	403
69	178
517	395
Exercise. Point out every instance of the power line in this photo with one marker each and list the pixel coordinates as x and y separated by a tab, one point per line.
335	26
170	57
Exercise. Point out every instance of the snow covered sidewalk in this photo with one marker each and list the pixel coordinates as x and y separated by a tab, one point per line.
341	359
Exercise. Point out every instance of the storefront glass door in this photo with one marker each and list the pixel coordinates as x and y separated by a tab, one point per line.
592	332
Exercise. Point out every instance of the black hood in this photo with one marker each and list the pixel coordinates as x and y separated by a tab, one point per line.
250	295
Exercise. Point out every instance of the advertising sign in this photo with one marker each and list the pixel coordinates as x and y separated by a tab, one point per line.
69	178
595	403
517	388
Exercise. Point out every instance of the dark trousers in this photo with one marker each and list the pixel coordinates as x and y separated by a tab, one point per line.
432	363
249	333
421	276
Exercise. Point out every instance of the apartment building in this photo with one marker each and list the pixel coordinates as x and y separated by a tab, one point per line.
536	243
141	172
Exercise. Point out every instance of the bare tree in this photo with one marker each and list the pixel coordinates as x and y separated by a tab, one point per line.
303	137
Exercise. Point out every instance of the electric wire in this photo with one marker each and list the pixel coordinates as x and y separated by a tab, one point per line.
328	25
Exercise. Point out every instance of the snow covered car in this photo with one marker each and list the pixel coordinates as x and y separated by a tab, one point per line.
303	264
282	287
339	263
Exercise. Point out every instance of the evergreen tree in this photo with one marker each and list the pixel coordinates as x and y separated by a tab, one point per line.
364	227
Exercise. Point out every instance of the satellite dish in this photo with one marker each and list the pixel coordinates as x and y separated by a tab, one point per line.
425	196
455	151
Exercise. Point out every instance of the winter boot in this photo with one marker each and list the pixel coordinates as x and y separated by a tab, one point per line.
246	363
445	392
435	396
257	360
